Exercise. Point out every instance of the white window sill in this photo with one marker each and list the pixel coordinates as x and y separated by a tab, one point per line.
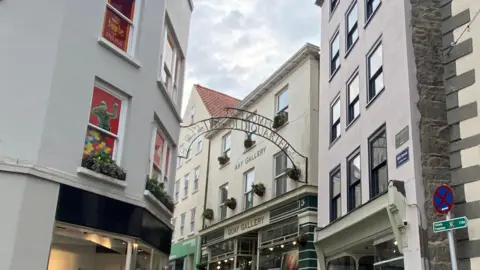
190	234
149	196
107	44
170	102
98	176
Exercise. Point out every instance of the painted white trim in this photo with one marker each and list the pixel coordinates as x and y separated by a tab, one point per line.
156	202
104	178
129	58
169	99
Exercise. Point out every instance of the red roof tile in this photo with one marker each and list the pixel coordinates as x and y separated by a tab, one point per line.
215	102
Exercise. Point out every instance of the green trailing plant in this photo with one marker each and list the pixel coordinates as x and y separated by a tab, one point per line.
104	164
231	203
223	160
258	189
293	173
158	190
279	120
248	142
208	214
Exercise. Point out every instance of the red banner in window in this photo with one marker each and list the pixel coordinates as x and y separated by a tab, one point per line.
157	155
105	111
116	29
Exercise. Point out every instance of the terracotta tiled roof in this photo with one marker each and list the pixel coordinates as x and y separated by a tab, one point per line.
215	102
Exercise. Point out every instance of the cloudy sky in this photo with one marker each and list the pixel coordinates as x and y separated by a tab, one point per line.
236	44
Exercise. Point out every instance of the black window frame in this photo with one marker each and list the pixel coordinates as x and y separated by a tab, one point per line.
333	5
334	123
369	11
351	199
372	93
349	42
373	170
336	56
351	104
334	212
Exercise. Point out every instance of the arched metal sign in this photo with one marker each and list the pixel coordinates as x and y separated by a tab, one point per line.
250	123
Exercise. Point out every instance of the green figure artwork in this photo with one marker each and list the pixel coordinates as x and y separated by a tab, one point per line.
104	116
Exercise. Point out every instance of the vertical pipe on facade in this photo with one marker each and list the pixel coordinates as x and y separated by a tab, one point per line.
206	183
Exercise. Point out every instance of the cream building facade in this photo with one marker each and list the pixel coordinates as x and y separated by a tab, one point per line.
248	227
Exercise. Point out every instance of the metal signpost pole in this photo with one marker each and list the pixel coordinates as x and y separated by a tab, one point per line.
451	244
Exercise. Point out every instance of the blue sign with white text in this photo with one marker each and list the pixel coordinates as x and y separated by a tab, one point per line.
403	157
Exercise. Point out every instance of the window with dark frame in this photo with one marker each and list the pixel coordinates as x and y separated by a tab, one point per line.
335	195
378	163
335	120
281	103
375	72
226	144
335	54
352	26
371	7
354	181
333	5
248	193
353	96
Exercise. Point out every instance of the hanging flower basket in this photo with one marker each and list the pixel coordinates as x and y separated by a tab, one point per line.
223	160
302	240
231	203
258	189
279	120
293	174
248	143
103	163
208	214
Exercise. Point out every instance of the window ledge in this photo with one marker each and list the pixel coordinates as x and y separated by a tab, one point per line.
224	165
98	176
352	122
351	47
149	196
195	191
280	127
369	19
170	102
334	141
184	198
107	44
251	147
375	97
190	234
334	73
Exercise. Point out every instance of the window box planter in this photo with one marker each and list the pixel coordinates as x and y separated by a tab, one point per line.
223	160
103	164
293	174
208	214
280	120
231	203
101	177
302	240
248	143
258	189
158	191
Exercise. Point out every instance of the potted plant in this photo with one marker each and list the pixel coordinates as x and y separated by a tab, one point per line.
279	120
302	240
293	173
231	203
158	191
248	142
258	189
223	160
208	214
102	163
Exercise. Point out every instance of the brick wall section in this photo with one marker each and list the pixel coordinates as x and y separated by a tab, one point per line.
426	21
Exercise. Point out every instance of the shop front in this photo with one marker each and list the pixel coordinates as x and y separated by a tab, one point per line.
184	254
280	238
93	232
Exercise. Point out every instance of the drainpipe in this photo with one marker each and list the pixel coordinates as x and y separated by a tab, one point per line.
206	184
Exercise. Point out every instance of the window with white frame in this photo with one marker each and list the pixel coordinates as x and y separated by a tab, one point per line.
352	26
223	200
226	144
252	127
335	120
335	195
199	144
160	157
197	178
354	181
333	5
173	221
179	162
192	220
280	173
353	97
171	64
371	7
375	71
176	191
334	53
378	162
182	224
106	124
281	102
120	23
248	177
192	115
185	186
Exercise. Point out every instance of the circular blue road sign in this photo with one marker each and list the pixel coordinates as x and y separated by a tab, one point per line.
443	199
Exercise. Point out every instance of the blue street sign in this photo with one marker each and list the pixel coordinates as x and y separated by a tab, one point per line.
402	157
